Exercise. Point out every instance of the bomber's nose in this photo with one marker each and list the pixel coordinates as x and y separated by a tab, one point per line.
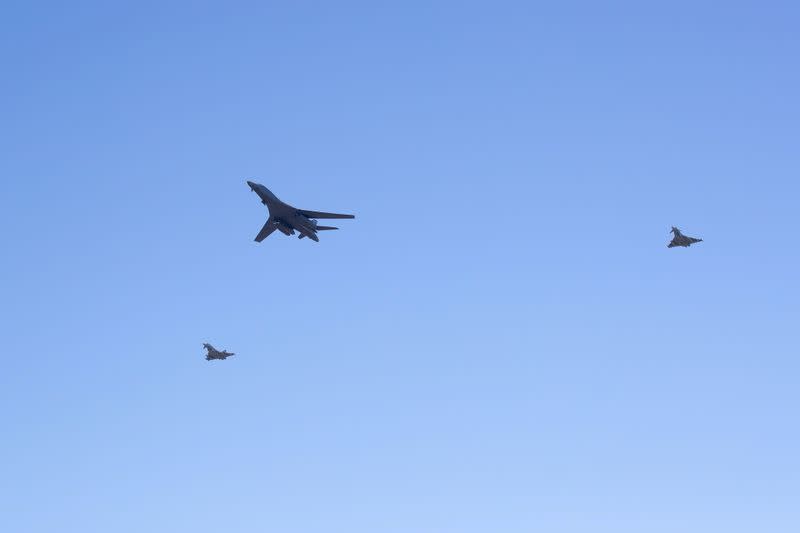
251	185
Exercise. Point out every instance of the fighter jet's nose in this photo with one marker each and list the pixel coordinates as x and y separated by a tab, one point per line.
251	185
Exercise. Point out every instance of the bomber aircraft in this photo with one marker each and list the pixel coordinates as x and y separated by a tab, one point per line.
287	219
213	353
681	240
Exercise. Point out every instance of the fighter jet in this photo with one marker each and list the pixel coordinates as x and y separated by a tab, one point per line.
681	240
287	219
213	353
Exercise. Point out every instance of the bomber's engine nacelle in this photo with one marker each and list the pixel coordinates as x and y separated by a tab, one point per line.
283	228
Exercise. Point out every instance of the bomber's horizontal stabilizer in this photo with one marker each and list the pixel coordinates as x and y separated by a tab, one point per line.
324	228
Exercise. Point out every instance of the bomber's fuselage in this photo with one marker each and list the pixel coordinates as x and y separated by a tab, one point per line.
286	217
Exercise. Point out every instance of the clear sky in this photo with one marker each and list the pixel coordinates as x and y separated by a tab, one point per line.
499	342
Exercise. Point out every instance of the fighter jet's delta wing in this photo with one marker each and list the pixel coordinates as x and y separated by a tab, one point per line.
213	353
288	219
679	239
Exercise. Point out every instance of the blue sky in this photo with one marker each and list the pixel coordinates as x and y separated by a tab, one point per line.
500	341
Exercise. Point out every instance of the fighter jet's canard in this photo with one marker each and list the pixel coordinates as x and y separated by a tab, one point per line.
681	240
287	219
213	353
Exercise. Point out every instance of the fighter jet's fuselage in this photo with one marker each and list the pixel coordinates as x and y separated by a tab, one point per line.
213	353
287	219
680	239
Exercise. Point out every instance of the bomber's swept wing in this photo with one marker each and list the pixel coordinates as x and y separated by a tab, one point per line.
267	230
320	214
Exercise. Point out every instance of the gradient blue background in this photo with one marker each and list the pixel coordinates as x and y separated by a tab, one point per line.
500	342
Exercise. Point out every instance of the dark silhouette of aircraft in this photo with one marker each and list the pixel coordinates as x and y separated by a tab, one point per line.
680	239
287	219
213	353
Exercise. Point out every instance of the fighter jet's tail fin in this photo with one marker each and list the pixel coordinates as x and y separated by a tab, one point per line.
325	228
